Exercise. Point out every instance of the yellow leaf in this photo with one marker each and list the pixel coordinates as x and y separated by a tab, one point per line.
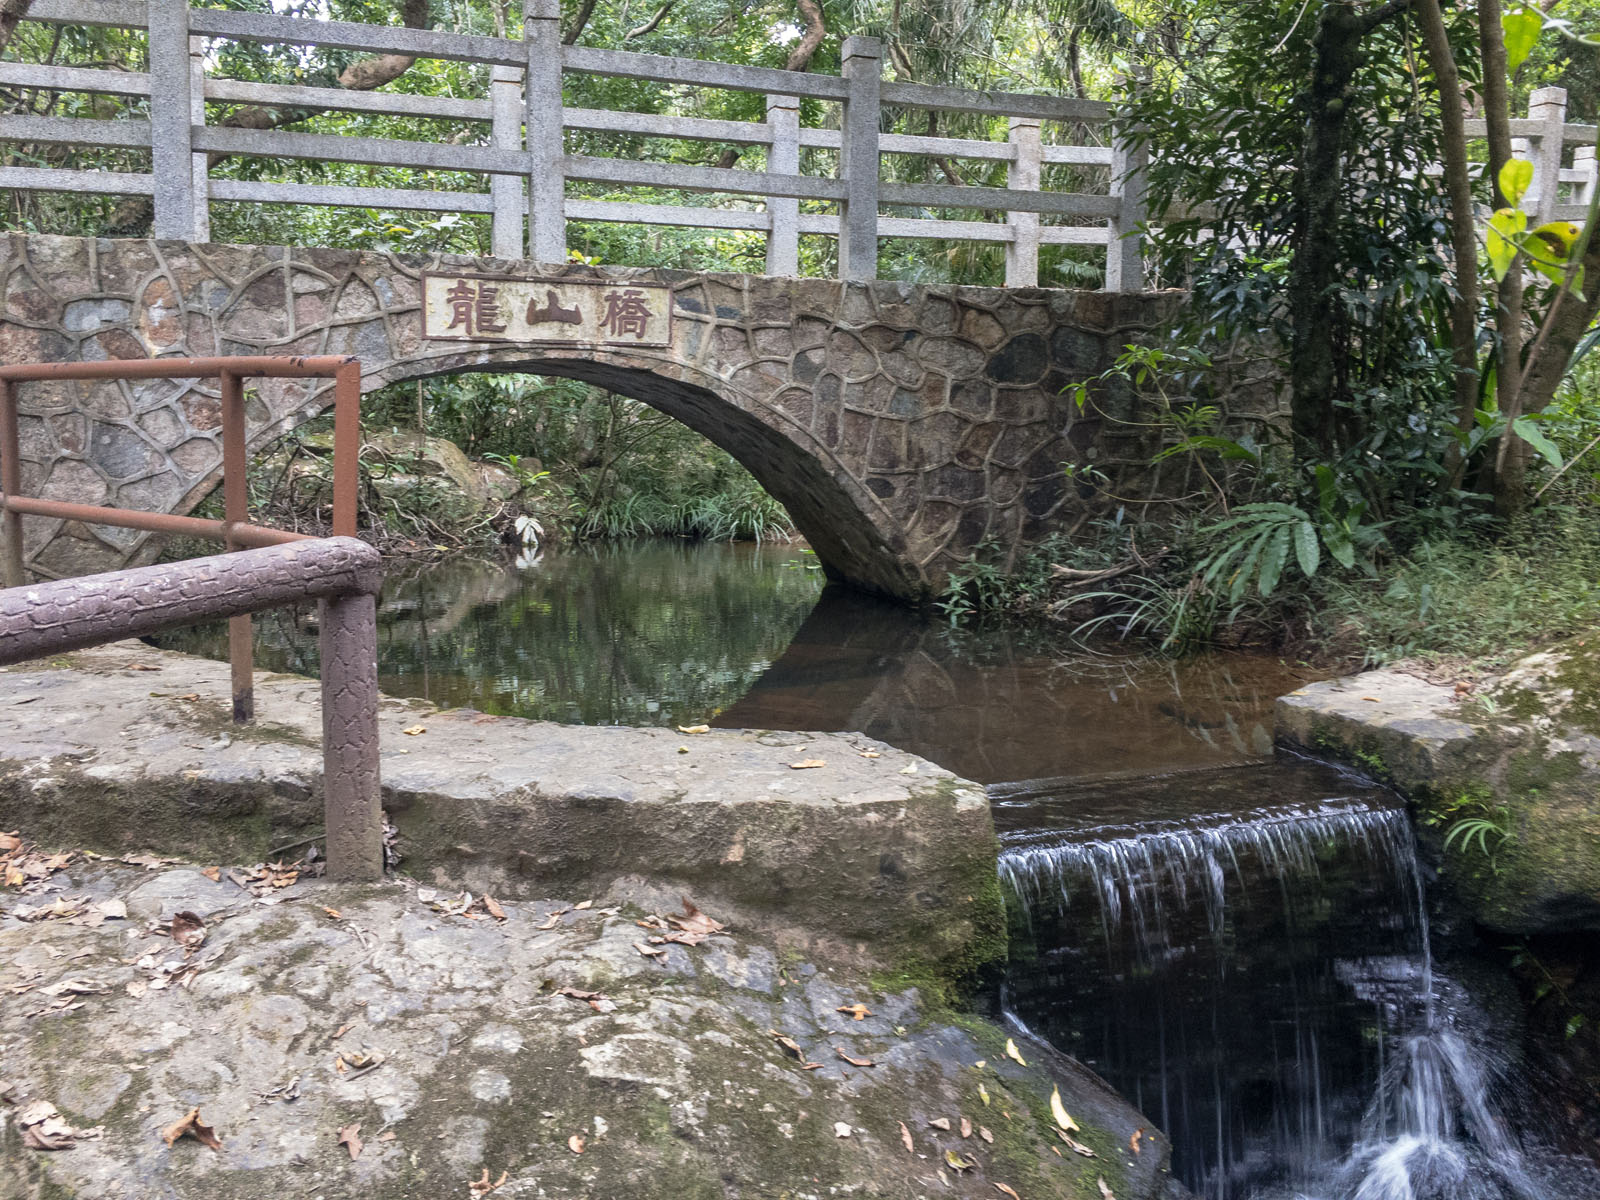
694	729
957	1163
983	1094
1059	1112
1006	1191
414	730
806	764
1013	1053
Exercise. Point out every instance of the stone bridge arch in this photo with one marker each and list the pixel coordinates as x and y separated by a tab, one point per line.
902	426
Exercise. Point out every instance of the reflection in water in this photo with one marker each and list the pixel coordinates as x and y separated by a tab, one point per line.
1011	704
654	633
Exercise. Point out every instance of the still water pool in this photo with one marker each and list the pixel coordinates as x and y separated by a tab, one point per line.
1239	944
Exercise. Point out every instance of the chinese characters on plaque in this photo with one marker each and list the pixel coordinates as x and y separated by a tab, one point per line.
480	308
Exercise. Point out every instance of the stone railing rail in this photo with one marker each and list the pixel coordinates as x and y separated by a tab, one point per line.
524	155
38	620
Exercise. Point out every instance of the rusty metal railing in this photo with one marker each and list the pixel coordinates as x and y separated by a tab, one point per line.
235	530
341	573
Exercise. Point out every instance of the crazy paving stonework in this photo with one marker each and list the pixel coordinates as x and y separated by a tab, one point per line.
901	425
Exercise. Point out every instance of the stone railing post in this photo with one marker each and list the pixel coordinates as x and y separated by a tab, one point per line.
171	113
353	804
542	116
1548	108
1022	252
1583	161
1125	251
506	191
200	164
783	156
858	158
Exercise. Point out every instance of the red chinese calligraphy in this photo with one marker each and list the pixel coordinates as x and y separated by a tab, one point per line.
474	309
626	312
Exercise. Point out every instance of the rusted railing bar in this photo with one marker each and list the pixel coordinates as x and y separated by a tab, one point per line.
245	366
240	533
236	512
11	485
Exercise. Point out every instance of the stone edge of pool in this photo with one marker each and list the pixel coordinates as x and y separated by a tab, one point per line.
877	855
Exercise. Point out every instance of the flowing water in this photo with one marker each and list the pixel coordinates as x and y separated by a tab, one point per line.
1239	944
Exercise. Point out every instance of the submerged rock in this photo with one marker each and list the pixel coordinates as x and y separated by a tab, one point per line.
357	1041
1509	777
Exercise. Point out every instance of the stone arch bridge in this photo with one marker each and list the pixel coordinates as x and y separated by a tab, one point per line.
902	426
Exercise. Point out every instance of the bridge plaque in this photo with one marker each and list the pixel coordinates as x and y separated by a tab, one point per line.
488	308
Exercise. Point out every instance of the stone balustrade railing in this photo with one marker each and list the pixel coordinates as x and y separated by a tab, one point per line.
521	151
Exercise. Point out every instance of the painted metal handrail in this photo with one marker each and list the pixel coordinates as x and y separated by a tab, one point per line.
235	530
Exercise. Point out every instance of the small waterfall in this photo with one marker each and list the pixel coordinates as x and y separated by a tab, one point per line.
1245	955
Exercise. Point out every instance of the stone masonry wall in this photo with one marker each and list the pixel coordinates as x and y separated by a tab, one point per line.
901	425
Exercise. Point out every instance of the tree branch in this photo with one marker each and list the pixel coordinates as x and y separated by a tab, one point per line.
649	26
11	13
579	22
800	56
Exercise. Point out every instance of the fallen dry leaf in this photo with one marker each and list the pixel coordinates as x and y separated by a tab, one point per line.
911	770
793	1047
940	1123
188	931
1133	1140
1006	1191
414	730
806	764
333	913
138	666
341	1031
213	873
905	1139
985	1134
957	1163
493	908
350	1139
858	1011
1374	700
649	951
841	1129
692	920
1105	1192
1059	1112
191	1126
854	1062
43	1128
869	753
190	696
966	1128
482	1187
575	1143
553	919
10	841
1014	1054
583	906
694	729
1074	1145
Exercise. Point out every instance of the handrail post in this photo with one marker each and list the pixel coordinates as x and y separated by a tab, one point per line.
1022	252
11	484
171	112
1125	244
506	191
541	97
199	164
352	801
236	508
346	448
783	155
1548	108
858	158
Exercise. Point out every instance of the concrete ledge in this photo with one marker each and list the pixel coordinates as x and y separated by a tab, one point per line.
886	859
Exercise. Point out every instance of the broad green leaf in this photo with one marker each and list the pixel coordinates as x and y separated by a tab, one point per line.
1273	559
1501	240
1306	549
1521	28
1241	580
1558	238
1340	546
1516	177
1526	429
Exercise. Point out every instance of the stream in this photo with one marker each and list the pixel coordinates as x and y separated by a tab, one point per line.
1244	945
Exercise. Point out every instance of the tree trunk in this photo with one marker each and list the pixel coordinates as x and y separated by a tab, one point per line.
1314	273
1508	476
1463	219
815	31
